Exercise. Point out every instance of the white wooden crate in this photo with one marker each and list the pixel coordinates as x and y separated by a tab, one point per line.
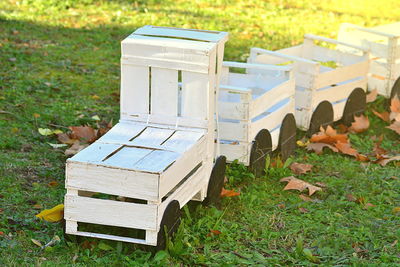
316	82
383	42
248	102
163	147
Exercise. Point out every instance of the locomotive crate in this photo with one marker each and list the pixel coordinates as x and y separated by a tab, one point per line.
161	153
383	42
255	112
330	84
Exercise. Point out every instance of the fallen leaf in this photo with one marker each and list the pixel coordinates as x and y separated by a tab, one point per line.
228	193
75	148
396	210
361	157
385	116
36	115
53	184
95	97
281	206
369	205
37	206
36	242
214	232
300	168
371	97
297	184
55	214
395	104
305	198
379	152
83	133
360	124
395	126
96	117
303	210
14	130
385	161
47	132
302	144
1	233
65	139
328	136
57	145
351	198
318	147
88	244
346	148
320	184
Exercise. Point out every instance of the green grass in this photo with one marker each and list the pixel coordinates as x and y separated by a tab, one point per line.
55	55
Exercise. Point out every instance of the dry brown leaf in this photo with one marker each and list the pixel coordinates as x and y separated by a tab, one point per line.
281	206
300	168
65	139
228	193
361	157
297	184
346	148
83	133
371	97
214	232
53	184
360	124
385	161
318	147
320	184
394	116
351	198
395	126
328	136
385	116
305	198
395	105
379	152
75	148
369	205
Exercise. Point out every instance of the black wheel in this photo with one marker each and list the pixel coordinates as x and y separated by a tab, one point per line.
395	89
216	182
287	136
355	106
261	147
322	116
169	224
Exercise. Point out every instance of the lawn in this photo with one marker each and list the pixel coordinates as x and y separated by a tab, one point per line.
60	67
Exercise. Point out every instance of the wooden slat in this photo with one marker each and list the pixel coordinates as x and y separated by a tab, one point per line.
156	161
272	97
114	181
127	157
152	137
121	132
235	111
378	84
338	109
164	91
114	237
182	140
342	74
184	192
182	166
195	95
275	137
338	92
324	54
134	89
166	121
110	212
94	153
235	131
257	57
303	117
239	151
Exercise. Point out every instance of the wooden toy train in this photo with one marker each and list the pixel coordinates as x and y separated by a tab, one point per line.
185	112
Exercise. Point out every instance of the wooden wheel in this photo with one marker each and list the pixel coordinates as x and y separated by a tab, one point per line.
169	224
262	145
216	182
355	106
322	116
395	89
287	136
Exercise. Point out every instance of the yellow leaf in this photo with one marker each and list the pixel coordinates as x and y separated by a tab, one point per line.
36	242
52	215
301	143
95	97
396	210
36	115
46	131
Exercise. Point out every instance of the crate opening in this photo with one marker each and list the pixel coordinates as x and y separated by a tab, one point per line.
112	230
98	195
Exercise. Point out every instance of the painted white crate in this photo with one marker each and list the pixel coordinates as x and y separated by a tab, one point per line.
249	102
383	42
316	82
163	147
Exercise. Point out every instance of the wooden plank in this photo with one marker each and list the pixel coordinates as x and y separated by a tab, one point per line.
94	153
342	74
324	54
164	91
182	140
152	136
275	137
272	97
202	35
256	55
182	166
165	121
303	117
71	227
122	132
184	192
231	110
151	237
235	131
378	84
238	150
114	181
195	94
114	237
127	157
134	89
338	92
379	68
157	161
110	212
